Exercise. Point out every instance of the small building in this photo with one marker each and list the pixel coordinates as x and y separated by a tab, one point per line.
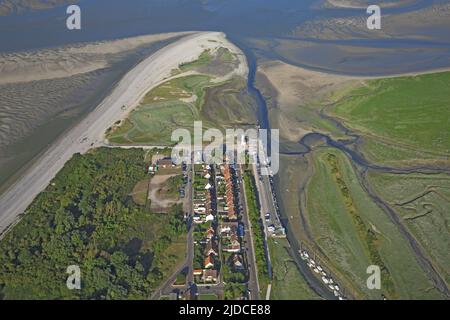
200	210
209	275
237	262
197	272
209	262
151	169
166	163
233	247
210	233
210	249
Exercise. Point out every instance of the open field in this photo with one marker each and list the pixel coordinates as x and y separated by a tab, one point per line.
423	202
353	233
208	296
140	192
86	217
163	191
288	283
410	111
173	105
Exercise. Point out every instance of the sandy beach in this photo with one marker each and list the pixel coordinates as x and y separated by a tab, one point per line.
89	133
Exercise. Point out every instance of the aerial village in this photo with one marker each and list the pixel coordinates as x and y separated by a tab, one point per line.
218	233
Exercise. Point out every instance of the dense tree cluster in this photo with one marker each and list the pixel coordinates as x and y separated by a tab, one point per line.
257	225
86	217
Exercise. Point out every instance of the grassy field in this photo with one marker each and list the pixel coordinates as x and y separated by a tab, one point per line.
423	202
210	296
389	154
412	112
175	104
288	283
202	60
140	192
353	233
172	105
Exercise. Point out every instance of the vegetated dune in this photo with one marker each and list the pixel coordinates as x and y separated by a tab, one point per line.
8	7
423	23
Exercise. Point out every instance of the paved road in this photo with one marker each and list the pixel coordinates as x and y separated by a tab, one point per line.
89	132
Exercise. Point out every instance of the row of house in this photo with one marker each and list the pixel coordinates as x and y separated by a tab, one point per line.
205	215
231	231
202	195
226	193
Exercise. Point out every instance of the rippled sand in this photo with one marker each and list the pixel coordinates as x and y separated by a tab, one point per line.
43	92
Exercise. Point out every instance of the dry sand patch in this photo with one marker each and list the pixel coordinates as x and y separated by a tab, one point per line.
157	194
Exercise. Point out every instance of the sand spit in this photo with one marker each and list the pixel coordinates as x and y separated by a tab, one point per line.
89	133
